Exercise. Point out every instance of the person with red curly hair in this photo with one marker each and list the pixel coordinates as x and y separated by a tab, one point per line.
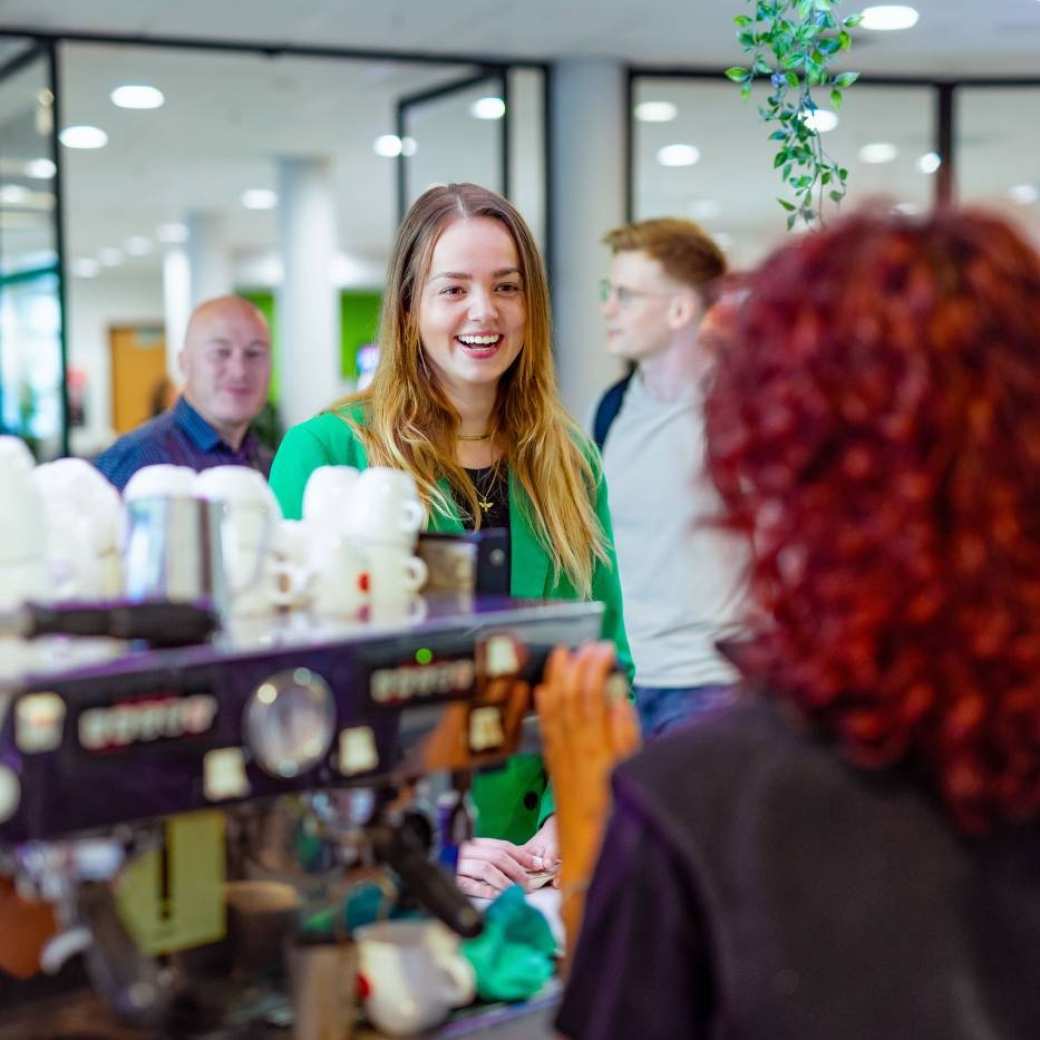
853	850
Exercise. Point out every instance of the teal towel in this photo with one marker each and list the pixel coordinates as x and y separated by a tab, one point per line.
513	957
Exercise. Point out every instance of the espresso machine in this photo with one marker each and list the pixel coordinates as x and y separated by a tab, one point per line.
129	779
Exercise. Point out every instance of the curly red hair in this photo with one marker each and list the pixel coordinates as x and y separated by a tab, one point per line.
874	427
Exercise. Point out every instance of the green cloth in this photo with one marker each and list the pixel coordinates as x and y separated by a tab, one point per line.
514	801
514	957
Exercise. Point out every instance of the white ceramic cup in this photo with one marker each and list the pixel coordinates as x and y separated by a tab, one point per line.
328	495
415	975
84	530
23	534
339	573
160	481
385	508
394	574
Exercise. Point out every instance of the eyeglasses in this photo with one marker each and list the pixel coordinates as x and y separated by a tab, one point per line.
625	296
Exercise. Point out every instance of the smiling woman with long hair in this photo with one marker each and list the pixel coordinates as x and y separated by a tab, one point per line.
464	398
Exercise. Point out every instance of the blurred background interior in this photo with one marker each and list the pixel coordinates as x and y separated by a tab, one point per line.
153	155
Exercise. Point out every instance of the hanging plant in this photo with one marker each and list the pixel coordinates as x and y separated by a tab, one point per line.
793	43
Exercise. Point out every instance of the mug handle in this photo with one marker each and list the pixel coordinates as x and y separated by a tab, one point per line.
298	580
415	573
459	978
414	516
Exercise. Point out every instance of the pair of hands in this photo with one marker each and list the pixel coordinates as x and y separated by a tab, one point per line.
587	726
488	866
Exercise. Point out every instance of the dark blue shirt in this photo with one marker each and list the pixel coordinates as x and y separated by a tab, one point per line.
181	437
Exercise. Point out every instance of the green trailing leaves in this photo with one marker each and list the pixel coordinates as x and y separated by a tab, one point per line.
793	42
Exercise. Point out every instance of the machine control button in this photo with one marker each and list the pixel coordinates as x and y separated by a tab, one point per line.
531	801
357	751
503	657
39	721
224	774
10	793
290	722
485	729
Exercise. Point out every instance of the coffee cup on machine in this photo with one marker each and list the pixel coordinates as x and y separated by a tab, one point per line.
394	574
328	496
385	508
23	567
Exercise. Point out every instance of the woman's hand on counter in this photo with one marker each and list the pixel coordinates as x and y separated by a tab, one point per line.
544	847
488	866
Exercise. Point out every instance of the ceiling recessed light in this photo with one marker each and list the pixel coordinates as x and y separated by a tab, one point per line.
929	162
678	155
822	120
259	198
1025	194
488	108
878	152
172	234
40	169
137	96
388	146
83	137
87	267
110	256
704	209
137	245
13	195
656	111
889	17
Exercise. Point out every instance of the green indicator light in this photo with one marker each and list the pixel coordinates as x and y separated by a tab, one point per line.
423	655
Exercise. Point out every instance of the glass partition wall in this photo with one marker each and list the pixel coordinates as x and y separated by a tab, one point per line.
192	167
32	384
699	151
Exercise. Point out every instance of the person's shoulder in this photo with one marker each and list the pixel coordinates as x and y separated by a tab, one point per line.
146	436
727	750
336	430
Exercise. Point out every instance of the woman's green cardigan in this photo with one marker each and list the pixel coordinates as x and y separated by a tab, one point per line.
514	801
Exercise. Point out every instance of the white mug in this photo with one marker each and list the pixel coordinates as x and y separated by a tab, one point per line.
339	571
394	574
328	496
160	481
414	973
84	530
23	535
385	507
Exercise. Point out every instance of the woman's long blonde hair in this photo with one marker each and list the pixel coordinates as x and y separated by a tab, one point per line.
410	424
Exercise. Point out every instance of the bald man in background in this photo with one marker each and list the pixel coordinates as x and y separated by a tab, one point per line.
226	363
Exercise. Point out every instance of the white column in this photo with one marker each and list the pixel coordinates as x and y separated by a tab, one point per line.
176	305
308	306
208	256
588	183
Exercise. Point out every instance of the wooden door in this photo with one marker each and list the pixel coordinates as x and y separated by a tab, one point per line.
138	354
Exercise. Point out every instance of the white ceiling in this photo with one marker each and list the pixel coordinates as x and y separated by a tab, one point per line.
953	37
229	116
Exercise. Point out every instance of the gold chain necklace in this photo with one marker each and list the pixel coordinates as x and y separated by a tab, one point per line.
472	437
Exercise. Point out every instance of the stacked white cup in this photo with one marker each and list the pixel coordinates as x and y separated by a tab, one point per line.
84	516
339	577
384	520
23	536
